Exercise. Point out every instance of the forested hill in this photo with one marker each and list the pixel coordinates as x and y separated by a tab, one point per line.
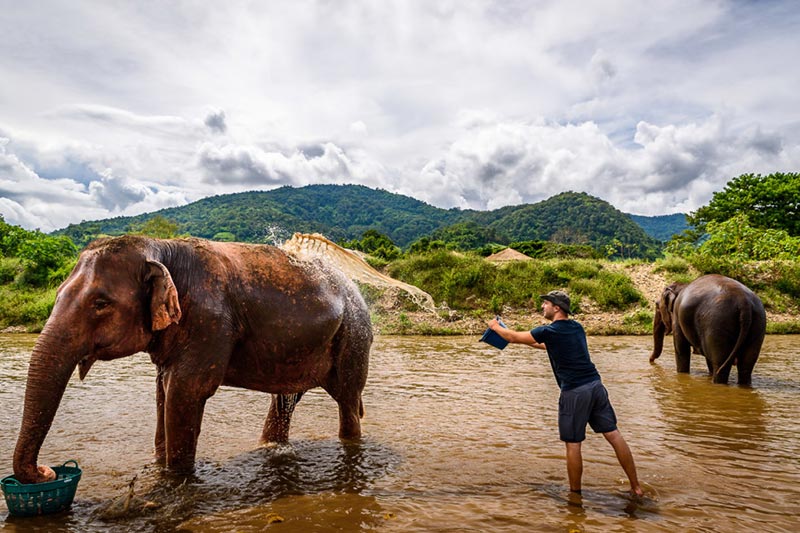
346	211
662	227
336	211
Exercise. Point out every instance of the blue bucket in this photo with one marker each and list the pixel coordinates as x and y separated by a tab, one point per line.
492	338
42	498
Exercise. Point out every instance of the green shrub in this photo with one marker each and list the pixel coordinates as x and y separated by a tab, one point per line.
466	281
783	328
640	320
672	264
787	278
10	268
25	307
579	268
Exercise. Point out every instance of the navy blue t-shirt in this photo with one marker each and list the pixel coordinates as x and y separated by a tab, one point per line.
566	346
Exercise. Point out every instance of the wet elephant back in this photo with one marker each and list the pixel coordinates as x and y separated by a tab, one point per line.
288	313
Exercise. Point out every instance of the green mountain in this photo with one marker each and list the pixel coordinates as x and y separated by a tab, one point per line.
662	227
343	212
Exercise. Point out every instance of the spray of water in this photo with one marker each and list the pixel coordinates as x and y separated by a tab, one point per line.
314	245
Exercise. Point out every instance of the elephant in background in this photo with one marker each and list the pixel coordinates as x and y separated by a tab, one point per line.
209	314
715	316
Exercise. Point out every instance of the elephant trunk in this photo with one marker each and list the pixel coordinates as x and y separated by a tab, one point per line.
48	375
659	329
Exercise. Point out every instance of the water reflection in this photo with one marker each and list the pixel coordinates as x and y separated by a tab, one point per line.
459	437
720	417
248	484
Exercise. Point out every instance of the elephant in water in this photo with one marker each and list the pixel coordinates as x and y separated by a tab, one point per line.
716	316
209	314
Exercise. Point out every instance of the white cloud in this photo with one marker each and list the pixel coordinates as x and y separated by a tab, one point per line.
673	169
119	108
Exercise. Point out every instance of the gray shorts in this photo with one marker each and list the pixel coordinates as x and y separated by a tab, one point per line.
581	405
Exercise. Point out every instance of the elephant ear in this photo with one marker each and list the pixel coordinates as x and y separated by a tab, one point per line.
165	308
667	304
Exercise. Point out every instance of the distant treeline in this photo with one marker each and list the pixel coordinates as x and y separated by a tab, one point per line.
749	231
347	212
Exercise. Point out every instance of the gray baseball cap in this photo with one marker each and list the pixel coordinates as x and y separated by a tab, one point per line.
559	298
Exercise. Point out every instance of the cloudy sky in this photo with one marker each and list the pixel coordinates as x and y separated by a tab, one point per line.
114	108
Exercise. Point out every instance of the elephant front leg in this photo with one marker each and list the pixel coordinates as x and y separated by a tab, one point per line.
279	418
185	401
161	438
182	429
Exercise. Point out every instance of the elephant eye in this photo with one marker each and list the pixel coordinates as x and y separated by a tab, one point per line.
101	303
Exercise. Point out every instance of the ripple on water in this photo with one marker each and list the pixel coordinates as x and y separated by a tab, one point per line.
458	436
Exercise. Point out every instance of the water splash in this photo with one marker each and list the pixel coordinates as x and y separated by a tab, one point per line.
314	245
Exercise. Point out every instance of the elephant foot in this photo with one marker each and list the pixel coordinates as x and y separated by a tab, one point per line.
350	425
274	434
279	418
722	376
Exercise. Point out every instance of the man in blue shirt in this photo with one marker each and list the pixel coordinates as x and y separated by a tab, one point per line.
584	398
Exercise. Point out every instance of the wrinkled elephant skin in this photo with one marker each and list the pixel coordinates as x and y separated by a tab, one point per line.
209	314
714	316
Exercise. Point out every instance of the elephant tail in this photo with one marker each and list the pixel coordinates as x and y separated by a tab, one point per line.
360	408
745	322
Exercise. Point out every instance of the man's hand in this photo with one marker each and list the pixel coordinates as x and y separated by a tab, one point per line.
494	324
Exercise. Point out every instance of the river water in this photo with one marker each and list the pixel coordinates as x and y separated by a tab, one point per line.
458	436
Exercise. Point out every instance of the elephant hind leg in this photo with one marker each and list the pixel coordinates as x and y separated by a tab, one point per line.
745	378
745	366
722	374
350	412
683	350
348	378
279	418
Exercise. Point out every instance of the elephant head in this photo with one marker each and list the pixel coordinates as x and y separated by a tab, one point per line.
662	318
109	307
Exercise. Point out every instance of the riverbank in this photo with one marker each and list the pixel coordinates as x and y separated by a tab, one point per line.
389	318
393	314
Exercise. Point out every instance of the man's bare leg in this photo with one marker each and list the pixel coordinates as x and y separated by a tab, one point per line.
574	465
625	458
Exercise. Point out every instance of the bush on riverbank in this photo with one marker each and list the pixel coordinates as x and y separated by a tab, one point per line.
611	297
467	282
25	308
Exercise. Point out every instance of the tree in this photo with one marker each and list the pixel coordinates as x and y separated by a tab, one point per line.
467	236
375	244
769	202
425	245
224	236
45	257
11	237
158	226
737	239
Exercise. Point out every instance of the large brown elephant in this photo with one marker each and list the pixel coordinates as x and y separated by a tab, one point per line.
209	314
715	316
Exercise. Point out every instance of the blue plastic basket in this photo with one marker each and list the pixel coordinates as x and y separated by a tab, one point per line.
42	498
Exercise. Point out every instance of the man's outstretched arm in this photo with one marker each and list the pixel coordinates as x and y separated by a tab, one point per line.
517	337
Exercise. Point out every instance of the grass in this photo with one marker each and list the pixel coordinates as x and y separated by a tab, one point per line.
466	286
25	307
467	281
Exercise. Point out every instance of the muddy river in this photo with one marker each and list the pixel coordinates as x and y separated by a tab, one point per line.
458	436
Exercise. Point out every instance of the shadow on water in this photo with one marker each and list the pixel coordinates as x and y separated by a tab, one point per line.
248	484
724	417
